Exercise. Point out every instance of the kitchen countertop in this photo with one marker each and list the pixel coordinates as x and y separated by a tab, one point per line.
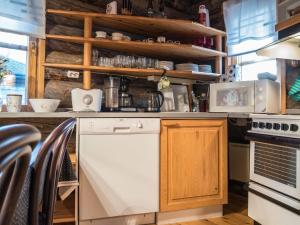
189	115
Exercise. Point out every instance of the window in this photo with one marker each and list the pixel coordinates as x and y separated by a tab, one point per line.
250	25
251	65
13	65
23	16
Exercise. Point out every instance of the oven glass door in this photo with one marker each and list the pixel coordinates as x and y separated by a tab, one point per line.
275	163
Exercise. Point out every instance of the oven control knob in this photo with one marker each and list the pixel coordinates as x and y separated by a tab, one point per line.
285	127
261	125
294	127
255	124
276	126
269	126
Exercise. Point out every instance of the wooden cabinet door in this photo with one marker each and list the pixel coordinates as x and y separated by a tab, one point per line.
193	164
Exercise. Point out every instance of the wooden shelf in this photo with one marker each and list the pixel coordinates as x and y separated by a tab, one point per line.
65	211
172	51
144	25
282	3
150	27
73	158
288	23
140	73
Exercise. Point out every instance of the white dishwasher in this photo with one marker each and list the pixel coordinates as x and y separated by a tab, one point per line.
118	167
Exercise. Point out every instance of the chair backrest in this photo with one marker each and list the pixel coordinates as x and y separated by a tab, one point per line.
46	169
16	142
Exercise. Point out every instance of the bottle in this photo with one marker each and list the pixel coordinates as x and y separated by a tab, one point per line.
195	104
162	9
204	16
203	103
150	8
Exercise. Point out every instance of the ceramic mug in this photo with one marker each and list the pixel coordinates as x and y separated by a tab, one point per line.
126	38
101	34
150	40
161	39
13	102
117	36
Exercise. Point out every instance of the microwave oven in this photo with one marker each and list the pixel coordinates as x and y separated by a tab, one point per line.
261	96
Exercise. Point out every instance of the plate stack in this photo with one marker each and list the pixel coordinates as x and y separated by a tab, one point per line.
205	68
168	65
187	67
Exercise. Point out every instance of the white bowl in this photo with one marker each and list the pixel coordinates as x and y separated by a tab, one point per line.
44	105
116	34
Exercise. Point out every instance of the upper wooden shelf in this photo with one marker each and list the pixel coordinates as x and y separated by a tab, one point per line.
171	28
139	73
288	23
166	50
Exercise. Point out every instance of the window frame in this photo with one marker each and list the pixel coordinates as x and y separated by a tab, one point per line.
36	69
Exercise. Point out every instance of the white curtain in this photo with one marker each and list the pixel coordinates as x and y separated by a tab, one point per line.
250	24
23	16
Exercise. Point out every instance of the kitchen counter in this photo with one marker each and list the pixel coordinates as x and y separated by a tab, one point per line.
170	115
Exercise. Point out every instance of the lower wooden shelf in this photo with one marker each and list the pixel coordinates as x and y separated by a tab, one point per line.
140	73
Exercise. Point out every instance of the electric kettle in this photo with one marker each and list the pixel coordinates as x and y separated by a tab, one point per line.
155	101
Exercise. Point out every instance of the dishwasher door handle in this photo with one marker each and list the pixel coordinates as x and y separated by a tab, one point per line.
121	129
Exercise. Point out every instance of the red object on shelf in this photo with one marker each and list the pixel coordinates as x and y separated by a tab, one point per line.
206	42
204	15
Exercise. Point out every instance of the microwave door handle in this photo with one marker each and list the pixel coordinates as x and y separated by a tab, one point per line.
271	139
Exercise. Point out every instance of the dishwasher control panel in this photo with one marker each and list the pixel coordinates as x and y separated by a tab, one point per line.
118	125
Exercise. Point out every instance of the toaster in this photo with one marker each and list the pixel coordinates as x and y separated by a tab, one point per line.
86	100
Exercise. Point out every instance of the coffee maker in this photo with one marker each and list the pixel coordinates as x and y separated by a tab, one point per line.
111	88
125	99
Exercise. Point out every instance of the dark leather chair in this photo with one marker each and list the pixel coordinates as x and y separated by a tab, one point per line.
46	171
16	143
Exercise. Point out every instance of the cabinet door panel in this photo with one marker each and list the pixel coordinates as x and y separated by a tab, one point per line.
194	159
193	164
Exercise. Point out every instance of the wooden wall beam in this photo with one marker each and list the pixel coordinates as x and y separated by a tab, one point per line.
32	68
40	85
218	61
87	54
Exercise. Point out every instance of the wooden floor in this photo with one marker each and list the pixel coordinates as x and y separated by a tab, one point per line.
235	213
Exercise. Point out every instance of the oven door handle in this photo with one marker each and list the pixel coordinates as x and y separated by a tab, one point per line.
271	139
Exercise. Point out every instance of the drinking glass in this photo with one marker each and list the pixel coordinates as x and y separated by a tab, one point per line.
109	62
150	63
118	61
132	62
101	61
95	56
156	64
139	62
144	62
127	62
105	61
